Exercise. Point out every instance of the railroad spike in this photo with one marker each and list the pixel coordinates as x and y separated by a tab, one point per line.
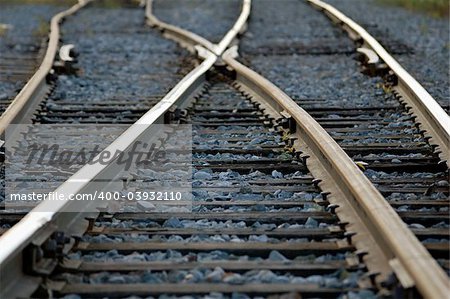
343	224
77	239
390	282
325	195
361	165
361	254
332	208
304	158
51	77
292	140
348	236
442	162
91	223
372	276
316	182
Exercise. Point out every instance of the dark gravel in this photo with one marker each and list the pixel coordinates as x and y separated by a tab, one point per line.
211	19
427	38
123	57
284	35
123	61
333	78
311	58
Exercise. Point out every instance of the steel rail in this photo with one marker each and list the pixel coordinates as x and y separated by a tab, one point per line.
186	38
25	101
189	39
50	216
34	88
430	114
407	257
410	261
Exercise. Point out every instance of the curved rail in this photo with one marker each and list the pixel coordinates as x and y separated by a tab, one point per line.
22	102
39	224
48	216
190	40
186	38
34	88
405	254
429	113
376	221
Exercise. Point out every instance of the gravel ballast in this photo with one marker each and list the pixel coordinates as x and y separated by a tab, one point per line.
124	59
211	19
427	38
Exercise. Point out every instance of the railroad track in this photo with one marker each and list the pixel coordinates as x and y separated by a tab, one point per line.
115	64
238	206
16	70
23	44
278	207
106	83
383	134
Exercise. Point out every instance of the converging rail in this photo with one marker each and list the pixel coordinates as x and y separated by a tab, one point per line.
368	225
45	223
190	40
24	103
